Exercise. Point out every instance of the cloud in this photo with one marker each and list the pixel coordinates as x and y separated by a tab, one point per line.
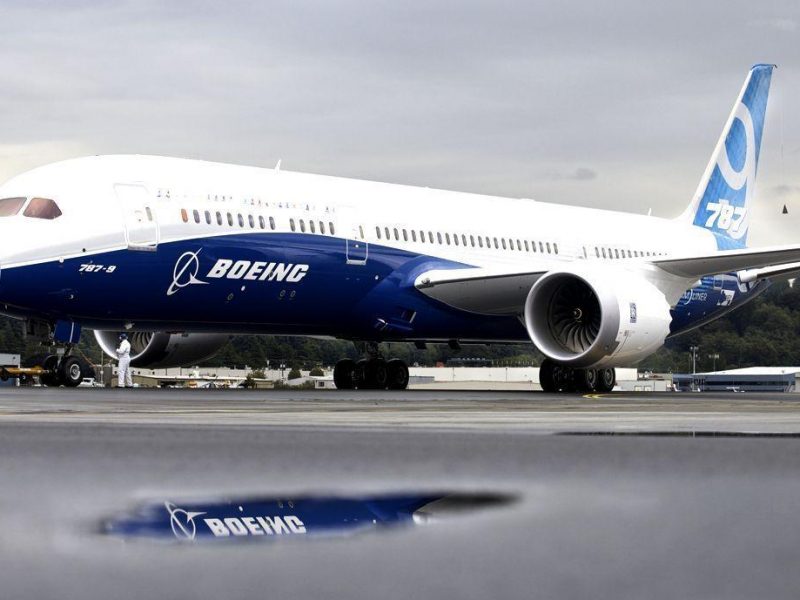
777	23
786	190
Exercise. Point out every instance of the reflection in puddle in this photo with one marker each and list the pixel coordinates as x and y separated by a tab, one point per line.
276	519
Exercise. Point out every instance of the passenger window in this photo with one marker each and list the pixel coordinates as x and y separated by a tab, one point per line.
219	218
272	223
10	206
488	242
496	244
455	239
541	247
503	242
596	252
413	236
527	248
480	241
439	236
386	231
472	241
302	226
447	238
312	227
261	222
555	248
430	237
42	208
251	221
230	219
421	236
378	232
241	220
208	218
184	215
322	227
463	239
330	228
604	252
405	235
396	235
195	214
291	224
361	231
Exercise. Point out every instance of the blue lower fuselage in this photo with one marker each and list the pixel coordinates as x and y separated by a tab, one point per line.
352	292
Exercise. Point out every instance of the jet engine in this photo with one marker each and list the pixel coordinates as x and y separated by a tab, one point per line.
156	350
596	318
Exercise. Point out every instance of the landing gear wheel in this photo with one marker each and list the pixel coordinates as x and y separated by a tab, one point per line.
343	374
50	377
377	375
606	380
70	372
586	379
397	374
555	378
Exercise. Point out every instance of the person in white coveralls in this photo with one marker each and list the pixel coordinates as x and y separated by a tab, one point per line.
124	356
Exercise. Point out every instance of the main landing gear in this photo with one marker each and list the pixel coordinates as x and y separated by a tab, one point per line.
371	373
554	377
69	371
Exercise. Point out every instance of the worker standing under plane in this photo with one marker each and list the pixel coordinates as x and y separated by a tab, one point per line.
124	356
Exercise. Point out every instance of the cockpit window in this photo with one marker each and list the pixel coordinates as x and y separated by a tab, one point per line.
42	208
10	206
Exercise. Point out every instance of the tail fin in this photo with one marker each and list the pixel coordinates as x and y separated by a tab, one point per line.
721	203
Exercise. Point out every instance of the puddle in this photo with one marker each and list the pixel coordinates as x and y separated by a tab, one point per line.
275	519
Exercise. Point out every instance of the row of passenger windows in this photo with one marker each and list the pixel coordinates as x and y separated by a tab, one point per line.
474	241
254	222
622	253
311	226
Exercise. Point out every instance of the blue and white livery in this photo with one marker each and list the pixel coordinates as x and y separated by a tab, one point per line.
182	253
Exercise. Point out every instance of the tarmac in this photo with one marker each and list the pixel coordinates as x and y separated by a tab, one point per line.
621	495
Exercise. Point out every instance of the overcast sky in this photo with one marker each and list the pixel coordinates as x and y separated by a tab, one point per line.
610	104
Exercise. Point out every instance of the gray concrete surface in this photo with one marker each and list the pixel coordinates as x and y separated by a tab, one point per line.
634	516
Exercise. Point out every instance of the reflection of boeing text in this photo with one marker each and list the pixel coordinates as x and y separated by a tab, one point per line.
242	526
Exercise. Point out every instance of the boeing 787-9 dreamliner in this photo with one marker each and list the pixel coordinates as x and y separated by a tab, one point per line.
183	253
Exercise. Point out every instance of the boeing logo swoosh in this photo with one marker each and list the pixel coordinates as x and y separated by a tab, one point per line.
182	522
185	272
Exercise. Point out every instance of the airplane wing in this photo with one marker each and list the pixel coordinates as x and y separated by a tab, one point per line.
779	272
480	290
727	261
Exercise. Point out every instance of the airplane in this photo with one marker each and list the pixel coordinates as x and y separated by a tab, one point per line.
183	253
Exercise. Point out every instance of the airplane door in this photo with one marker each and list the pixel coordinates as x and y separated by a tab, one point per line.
138	211
357	248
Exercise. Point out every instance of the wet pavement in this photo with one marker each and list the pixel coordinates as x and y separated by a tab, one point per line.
622	516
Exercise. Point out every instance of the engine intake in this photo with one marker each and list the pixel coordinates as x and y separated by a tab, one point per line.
596	318
156	350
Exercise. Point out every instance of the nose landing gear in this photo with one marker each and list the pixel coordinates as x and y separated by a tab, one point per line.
555	378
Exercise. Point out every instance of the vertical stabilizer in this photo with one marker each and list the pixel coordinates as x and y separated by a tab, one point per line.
722	202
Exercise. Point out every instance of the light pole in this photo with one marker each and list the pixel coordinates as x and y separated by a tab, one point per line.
694	350
714	356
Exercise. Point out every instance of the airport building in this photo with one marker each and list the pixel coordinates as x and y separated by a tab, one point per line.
750	379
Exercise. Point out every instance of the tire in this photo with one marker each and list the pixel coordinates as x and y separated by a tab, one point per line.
70	371
555	378
586	379
343	374
606	380
360	375
397	374
377	375
50	377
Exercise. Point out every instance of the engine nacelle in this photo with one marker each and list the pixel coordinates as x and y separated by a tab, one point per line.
156	350
596	318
